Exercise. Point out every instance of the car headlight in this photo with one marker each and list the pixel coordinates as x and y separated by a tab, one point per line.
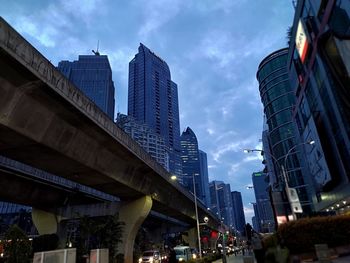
140	260
181	259
194	256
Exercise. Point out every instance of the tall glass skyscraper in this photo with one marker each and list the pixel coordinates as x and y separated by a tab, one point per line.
278	99
264	212
153	99
191	163
92	74
238	212
221	201
204	175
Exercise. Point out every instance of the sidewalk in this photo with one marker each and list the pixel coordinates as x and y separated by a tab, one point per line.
239	259
235	259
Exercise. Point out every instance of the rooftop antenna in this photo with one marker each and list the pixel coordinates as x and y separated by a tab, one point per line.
96	52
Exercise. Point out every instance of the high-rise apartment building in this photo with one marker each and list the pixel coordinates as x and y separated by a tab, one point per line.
264	212
238	212
92	74
203	165
319	69
153	99
146	138
279	99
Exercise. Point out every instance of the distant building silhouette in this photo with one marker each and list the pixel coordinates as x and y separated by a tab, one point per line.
153	99
92	74
221	201
191	163
263	211
204	176
238	212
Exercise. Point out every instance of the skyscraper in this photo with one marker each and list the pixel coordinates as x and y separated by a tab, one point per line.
204	175
92	74
279	99
221	201
153	99
191	163
238	212
263	213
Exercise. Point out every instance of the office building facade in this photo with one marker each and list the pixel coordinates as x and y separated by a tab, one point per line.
238	212
279	99
153	99
92	74
150	141
221	201
264	213
203	165
191	163
319	69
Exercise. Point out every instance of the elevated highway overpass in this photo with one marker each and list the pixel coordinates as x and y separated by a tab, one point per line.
46	122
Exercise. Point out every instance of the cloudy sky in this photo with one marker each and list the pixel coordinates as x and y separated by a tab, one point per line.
213	49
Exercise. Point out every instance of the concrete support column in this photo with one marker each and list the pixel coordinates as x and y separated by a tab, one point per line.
132	214
191	238
45	222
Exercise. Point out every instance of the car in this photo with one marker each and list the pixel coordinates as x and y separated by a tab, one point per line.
183	253
150	256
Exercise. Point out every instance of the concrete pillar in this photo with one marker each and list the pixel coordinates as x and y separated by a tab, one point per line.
132	214
191	237
45	222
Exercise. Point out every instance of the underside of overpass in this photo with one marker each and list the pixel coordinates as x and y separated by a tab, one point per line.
47	123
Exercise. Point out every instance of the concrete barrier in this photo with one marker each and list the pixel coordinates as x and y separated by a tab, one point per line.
248	259
323	253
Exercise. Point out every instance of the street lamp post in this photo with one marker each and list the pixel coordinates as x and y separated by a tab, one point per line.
196	208
282	171
173	178
285	177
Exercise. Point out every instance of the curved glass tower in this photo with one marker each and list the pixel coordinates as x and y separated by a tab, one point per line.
278	99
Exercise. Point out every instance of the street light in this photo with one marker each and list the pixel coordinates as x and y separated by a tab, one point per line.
291	191
206	219
196	208
283	173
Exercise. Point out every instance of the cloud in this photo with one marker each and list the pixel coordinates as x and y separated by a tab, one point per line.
156	14
236	146
249	213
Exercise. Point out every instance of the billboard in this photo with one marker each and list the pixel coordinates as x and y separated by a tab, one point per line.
301	42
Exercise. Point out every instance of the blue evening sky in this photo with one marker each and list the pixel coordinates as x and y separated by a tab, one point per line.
213	49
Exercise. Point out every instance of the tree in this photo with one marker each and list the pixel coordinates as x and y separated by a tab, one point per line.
45	243
100	232
17	248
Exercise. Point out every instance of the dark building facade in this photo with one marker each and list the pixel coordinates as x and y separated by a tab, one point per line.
92	74
146	138
221	201
191	163
319	69
204	176
263	212
278	99
238	212
153	99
